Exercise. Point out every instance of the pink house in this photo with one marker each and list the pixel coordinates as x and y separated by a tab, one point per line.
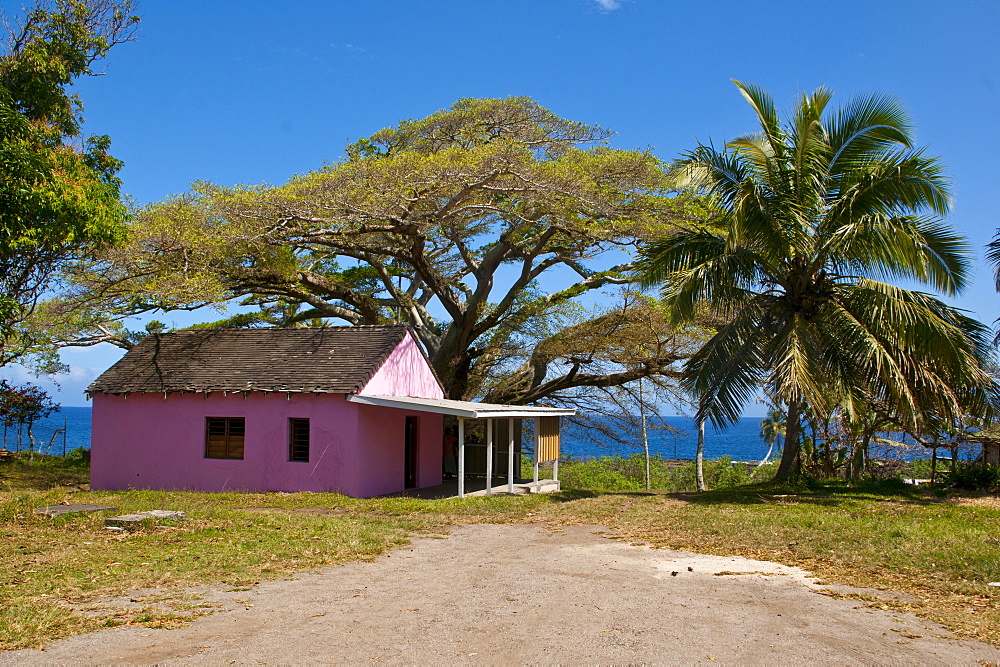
268	410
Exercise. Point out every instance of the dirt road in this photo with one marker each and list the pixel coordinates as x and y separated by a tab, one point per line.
528	594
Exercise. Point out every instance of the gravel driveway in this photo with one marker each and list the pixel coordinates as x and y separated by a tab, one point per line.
531	594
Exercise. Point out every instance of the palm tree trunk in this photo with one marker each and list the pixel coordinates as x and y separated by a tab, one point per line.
790	454
768	455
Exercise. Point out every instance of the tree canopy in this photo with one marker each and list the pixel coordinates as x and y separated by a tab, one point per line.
59	196
812	216
486	227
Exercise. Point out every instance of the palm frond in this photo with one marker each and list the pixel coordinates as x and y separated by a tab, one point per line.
727	370
767	115
993	257
864	126
902	247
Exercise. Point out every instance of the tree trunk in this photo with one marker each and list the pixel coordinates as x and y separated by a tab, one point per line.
645	434
790	455
700	456
856	466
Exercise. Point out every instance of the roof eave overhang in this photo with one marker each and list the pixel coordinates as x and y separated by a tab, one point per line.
465	409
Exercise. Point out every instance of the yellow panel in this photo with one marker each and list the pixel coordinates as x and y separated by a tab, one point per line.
547	447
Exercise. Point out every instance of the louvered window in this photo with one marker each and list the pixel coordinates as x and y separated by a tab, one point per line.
298	440
224	437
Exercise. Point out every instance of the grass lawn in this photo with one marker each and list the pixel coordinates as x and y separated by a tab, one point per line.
60	576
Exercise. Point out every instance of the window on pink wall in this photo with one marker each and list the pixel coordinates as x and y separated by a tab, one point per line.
224	437
298	439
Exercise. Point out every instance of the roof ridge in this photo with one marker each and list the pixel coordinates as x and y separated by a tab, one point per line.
338	359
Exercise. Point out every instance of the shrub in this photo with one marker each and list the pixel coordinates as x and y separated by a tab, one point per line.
975	477
628	473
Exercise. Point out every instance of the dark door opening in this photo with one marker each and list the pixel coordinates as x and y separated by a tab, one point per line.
410	441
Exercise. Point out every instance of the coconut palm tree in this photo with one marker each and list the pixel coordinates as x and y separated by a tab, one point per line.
814	218
772	430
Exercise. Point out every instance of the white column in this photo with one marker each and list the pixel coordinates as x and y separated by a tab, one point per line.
461	457
538	440
510	455
489	456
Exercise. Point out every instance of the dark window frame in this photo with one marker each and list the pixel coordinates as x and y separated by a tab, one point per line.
230	432
298	439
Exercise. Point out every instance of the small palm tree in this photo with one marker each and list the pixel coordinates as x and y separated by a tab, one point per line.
812	219
772	430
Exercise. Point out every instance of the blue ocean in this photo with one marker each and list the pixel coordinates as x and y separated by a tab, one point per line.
741	441
64	430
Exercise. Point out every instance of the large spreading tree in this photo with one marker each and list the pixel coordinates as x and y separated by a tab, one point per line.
814	217
59	196
488	227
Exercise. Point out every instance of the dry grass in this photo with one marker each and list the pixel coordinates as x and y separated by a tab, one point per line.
942	552
64	575
68	575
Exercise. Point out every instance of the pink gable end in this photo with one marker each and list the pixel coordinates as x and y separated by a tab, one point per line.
405	373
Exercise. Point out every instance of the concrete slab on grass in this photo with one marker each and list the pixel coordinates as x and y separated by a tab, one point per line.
72	508
135	520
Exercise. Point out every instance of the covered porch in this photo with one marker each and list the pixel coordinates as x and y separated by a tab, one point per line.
546	436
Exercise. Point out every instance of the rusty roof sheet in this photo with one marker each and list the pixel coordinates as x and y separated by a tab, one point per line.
312	360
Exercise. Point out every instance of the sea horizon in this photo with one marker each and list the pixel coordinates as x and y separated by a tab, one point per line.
741	441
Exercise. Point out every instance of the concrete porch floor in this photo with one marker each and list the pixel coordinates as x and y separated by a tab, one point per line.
476	486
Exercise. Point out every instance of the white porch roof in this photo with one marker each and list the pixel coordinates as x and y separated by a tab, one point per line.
467	409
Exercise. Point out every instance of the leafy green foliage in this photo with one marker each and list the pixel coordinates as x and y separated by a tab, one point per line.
23	405
975	477
451	224
59	196
627	473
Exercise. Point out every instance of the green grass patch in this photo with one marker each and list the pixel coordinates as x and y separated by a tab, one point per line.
21	471
61	576
56	573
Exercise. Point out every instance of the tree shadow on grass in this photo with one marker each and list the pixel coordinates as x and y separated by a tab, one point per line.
801	491
815	492
569	495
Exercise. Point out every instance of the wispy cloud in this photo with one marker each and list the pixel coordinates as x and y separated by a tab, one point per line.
609	5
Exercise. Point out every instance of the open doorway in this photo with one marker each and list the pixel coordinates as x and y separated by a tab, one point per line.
410	447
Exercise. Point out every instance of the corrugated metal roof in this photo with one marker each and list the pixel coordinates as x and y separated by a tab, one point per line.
310	360
469	409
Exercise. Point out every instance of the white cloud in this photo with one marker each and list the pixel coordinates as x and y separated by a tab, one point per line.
609	5
65	388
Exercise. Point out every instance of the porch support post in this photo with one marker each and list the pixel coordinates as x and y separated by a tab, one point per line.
510	455
538	442
461	457
489	456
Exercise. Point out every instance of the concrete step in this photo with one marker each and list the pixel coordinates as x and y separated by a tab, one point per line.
136	520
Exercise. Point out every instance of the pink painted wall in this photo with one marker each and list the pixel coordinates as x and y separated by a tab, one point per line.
405	373
151	442
381	471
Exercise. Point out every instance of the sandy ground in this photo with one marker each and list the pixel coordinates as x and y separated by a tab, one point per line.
531	594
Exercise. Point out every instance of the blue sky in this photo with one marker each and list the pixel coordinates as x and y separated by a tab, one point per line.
256	91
